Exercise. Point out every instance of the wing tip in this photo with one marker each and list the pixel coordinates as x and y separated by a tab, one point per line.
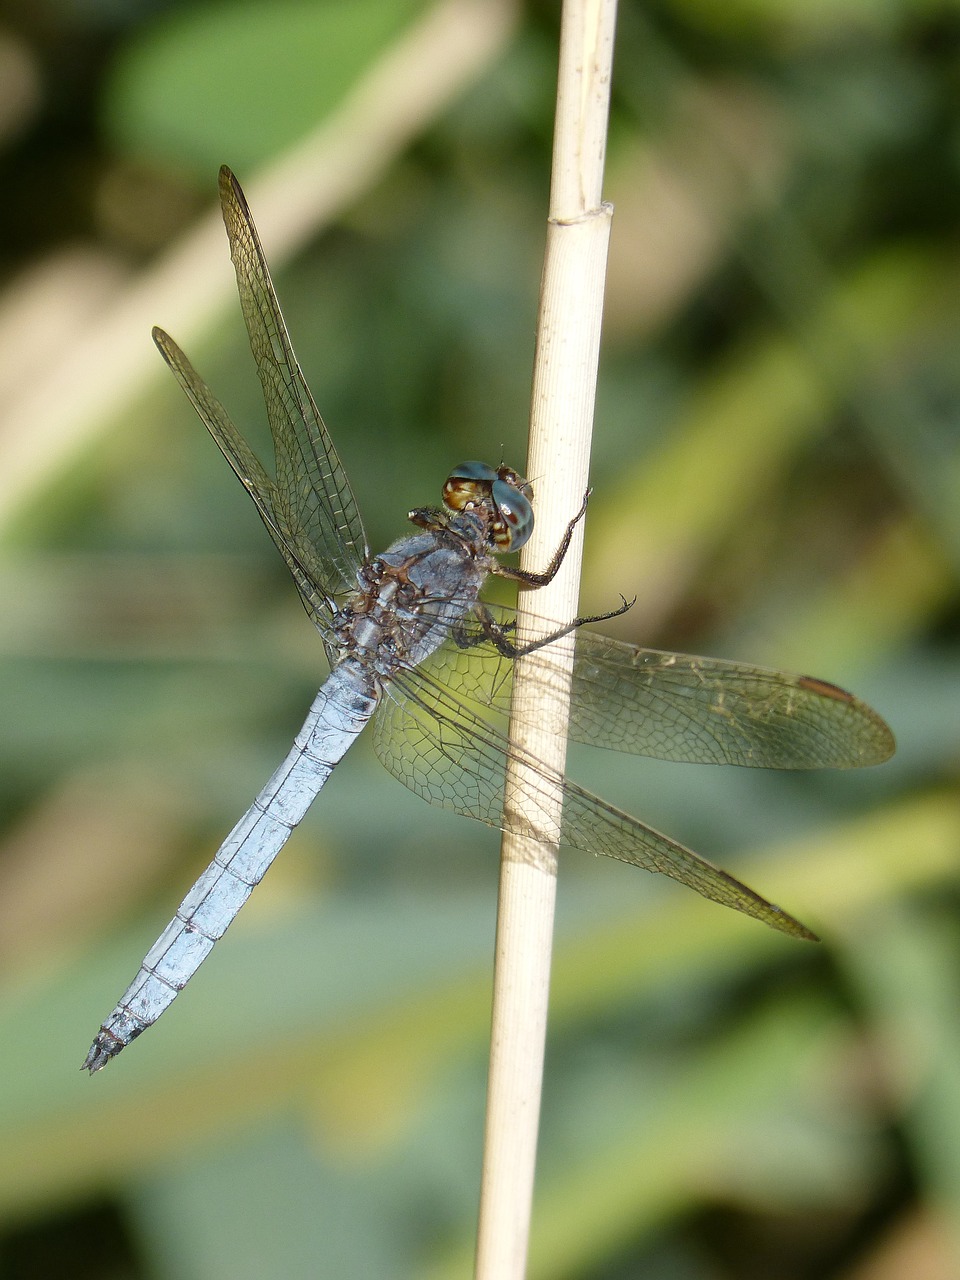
227	180
160	337
231	196
878	741
789	924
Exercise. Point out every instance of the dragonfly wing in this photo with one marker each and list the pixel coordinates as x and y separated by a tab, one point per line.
312	486
679	707
300	561
455	759
688	708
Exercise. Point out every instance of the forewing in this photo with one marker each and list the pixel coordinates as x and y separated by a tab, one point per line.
313	495
248	469
678	707
455	759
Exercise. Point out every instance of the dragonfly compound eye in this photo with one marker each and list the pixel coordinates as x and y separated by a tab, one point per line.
513	523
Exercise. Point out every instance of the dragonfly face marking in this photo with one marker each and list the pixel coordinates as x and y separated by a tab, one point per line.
413	649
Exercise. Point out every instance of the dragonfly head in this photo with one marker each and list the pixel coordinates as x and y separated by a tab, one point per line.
498	491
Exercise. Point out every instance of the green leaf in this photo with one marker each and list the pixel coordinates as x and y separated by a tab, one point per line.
240	82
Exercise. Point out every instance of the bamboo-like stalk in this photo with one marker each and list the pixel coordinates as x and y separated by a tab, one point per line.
564	385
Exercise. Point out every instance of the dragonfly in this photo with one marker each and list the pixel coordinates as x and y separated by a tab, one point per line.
413	648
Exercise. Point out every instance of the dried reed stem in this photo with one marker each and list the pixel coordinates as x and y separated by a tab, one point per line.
564	385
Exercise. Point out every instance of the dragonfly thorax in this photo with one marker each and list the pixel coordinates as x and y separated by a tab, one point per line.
410	596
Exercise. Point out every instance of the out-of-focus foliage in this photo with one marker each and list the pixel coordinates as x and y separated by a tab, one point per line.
777	478
196	85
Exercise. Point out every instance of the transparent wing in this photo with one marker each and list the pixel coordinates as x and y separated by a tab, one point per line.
455	759
677	707
300	561
312	499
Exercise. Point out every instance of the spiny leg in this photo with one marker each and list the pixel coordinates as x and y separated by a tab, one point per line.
496	633
529	578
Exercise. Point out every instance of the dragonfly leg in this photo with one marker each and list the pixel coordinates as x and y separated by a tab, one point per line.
529	578
498	636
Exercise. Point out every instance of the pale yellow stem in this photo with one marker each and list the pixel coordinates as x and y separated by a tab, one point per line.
564	387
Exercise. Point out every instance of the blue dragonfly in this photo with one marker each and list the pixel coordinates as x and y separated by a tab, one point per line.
413	648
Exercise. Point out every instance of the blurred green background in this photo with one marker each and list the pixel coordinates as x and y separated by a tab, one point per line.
777	478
